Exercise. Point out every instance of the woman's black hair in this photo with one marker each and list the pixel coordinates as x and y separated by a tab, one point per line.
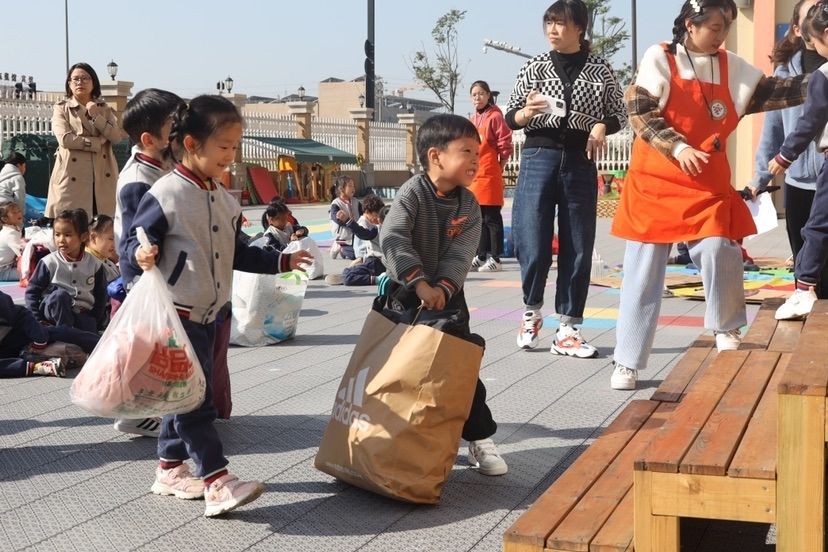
202	118
76	217
789	44
816	21
438	131
101	223
275	208
485	86
14	158
698	11
96	83
5	208
148	111
570	11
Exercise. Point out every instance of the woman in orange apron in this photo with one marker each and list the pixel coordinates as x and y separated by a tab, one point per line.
487	187
687	98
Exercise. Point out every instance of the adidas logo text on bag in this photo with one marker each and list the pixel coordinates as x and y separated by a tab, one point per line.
348	401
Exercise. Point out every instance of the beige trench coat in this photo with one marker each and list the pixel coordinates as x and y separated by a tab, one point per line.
85	164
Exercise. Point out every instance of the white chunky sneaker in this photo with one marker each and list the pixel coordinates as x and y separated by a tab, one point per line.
527	337
798	305
568	342
484	456
623	378
728	341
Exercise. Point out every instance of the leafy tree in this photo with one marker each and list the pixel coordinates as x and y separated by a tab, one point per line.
609	37
442	75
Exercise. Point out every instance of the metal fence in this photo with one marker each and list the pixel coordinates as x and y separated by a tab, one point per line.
387	146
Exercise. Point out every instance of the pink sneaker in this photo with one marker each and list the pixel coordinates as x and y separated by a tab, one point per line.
228	493
178	481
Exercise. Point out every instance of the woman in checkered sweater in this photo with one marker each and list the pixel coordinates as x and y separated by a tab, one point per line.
567	101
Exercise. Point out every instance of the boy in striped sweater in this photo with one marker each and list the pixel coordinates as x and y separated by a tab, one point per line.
429	238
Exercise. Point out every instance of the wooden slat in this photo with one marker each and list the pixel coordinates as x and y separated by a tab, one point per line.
756	456
800	525
675	385
652	533
679	432
807	373
713	497
763	326
617	533
579	527
718	441
786	336
531	529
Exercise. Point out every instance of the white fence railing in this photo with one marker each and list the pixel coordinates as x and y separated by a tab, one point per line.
269	124
387	146
338	133
24	117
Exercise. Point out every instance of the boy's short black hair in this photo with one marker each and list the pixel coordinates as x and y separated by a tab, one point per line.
439	131
148	111
372	204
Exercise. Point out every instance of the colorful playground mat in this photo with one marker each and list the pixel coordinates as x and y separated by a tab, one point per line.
773	279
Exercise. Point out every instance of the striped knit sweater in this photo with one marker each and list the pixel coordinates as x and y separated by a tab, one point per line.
431	238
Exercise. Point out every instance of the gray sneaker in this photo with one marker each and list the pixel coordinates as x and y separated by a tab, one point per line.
483	455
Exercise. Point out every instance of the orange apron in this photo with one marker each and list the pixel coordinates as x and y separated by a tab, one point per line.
487	186
661	204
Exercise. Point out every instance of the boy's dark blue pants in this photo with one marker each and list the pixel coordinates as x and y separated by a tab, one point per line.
193	435
12	345
57	308
811	258
364	274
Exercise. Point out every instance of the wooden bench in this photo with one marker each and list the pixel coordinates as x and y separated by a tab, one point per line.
715	457
802	392
590	506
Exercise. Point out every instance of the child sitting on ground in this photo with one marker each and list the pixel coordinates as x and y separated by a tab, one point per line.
11	241
343	244
429	238
102	244
368	264
281	227
68	287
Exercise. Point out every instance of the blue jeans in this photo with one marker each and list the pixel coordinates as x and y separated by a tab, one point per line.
193	435
566	180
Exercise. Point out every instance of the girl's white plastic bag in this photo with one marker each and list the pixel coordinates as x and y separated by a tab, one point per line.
144	365
315	269
266	307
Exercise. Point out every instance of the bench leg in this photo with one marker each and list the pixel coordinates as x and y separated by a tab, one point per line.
652	533
800	474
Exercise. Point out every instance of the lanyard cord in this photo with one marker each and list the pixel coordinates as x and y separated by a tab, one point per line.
701	84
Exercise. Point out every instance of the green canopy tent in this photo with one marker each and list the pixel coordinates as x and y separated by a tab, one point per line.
308	151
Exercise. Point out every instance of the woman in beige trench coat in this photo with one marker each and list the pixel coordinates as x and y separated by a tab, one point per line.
85	170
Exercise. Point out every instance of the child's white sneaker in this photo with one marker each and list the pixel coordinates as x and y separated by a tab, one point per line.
798	305
623	378
334	251
484	456
490	265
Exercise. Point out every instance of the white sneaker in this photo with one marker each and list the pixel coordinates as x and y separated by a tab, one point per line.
477	262
483	455
527	337
568	342
798	305
490	265
728	341
334	251
623	378
147	427
334	279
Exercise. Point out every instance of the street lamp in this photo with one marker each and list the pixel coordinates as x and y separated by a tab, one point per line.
301	92
228	84
361	99
112	69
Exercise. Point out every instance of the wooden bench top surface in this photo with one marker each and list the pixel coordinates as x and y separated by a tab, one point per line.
725	424
807	373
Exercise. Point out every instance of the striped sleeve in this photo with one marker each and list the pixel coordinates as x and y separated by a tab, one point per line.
401	258
464	235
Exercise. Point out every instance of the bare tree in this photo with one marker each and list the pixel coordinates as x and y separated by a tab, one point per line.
610	37
441	76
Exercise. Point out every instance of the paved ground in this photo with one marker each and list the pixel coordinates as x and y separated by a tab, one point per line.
68	481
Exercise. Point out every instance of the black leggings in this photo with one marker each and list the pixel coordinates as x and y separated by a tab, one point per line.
491	238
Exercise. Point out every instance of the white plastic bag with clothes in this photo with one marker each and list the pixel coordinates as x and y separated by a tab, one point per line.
266	307
315	269
144	364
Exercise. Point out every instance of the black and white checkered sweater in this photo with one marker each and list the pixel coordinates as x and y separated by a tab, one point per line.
596	97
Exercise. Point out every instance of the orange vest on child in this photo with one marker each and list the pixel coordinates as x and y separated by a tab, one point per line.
661	204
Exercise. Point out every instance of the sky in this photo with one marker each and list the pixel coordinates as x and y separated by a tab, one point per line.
271	47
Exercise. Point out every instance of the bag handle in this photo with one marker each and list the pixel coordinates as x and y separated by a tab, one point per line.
143	239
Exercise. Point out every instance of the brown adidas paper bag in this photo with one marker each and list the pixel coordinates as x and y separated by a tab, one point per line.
399	412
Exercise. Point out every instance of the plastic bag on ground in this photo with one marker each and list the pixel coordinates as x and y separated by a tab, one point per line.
314	270
266	307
